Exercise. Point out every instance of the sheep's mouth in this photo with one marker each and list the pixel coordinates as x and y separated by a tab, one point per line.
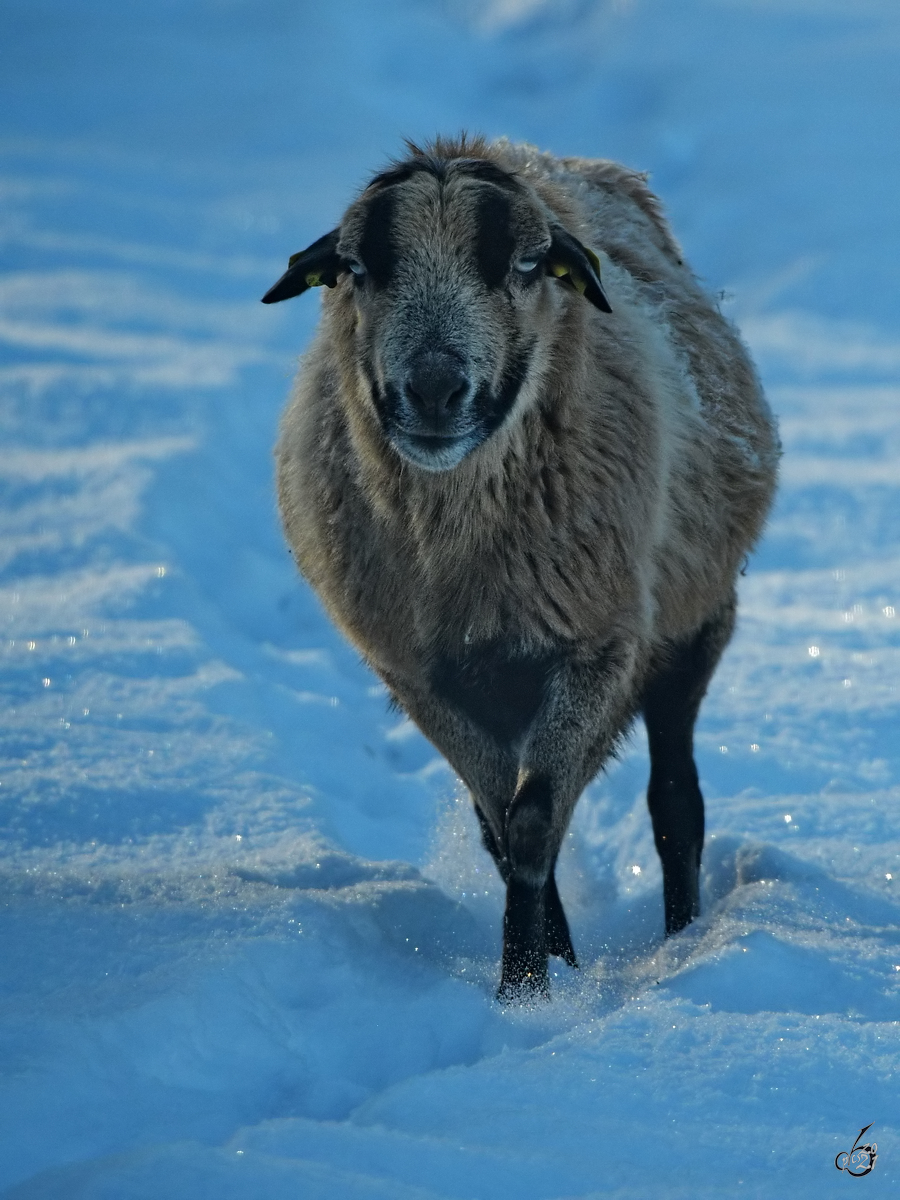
442	444
434	452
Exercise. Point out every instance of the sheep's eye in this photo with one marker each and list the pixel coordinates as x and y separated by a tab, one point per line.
356	267
525	266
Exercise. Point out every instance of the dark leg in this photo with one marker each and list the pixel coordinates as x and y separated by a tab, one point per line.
556	927
569	742
524	976
671	703
528	840
534	927
525	773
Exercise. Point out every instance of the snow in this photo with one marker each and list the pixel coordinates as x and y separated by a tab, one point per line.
250	940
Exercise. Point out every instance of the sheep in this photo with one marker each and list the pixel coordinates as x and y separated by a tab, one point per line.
524	493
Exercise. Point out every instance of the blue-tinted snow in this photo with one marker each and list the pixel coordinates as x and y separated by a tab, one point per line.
249	940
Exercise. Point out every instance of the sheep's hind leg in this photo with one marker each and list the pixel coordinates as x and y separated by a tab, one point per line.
671	703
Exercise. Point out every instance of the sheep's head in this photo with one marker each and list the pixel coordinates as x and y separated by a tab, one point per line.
453	268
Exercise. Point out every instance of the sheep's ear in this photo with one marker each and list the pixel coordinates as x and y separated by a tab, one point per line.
318	264
577	266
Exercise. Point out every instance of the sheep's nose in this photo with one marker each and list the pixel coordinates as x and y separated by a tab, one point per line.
437	385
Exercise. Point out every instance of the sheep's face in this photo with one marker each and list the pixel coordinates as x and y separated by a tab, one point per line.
449	267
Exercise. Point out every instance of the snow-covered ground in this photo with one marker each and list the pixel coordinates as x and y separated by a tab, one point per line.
249	939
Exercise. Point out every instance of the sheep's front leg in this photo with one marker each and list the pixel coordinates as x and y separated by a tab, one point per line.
556	927
529	862
587	707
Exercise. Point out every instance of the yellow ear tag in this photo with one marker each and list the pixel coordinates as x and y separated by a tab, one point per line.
595	261
313	278
561	271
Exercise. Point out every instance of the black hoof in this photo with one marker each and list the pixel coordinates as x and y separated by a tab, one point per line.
675	922
567	954
525	990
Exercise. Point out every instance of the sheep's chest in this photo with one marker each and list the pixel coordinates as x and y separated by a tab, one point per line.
499	689
521	589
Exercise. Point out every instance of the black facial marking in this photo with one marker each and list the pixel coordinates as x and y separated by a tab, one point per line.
376	249
386	401
403	171
481	168
440	168
494	407
494	240
501	693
